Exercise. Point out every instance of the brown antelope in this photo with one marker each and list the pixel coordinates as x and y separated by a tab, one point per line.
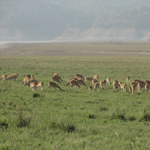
40	84
96	86
90	88
96	76
88	78
133	86
146	81
130	89
26	80
108	80
140	85
32	77
32	85
136	80
115	84
28	75
81	82
69	80
102	83
74	83
4	76
79	76
54	85
93	81
57	76
55	79
13	76
147	86
134	83
127	78
122	86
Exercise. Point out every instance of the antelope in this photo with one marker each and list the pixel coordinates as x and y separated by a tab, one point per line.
130	89
136	80
102	83
96	86
55	78
134	83
93	81
123	86
55	74
74	83
96	76
147	86
140	85
13	76
81	82
133	88
32	85
88	78
28	75
127	78
90	88
4	76
26	80
79	76
32	77
69	80
40	84
54	85
108	80
146	81
115	84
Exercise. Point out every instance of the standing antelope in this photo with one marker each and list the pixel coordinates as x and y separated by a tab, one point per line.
56	79
96	86
74	83
88	78
54	85
133	86
108	80
40	84
102	83
96	76
4	76
26	80
57	76
140	85
115	84
93	81
90	88
79	76
32	85
123	86
130	89
81	82
147	86
127	78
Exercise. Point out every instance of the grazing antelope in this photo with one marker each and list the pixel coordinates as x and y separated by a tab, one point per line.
130	89
79	76
32	85
81	82
88	78
26	80
102	83
4	76
96	86
93	81
108	80
133	86
115	84
90	88
127	78
55	78
123	86
147	86
69	80
140	85
96	76
54	85
74	83
13	76
40	84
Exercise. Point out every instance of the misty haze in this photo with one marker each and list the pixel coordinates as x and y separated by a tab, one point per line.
79	20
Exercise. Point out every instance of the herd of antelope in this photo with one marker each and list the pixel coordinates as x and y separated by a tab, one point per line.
78	81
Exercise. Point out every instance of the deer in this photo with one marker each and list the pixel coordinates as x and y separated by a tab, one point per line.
123	86
12	76
4	76
79	76
127	78
54	85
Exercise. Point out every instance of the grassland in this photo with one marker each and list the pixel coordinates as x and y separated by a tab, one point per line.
74	118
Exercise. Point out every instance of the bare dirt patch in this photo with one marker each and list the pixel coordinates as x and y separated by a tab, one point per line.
122	49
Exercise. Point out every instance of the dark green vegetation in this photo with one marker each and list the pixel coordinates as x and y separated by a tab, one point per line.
73	118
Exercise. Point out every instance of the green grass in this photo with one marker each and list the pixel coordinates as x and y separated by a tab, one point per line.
73	118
